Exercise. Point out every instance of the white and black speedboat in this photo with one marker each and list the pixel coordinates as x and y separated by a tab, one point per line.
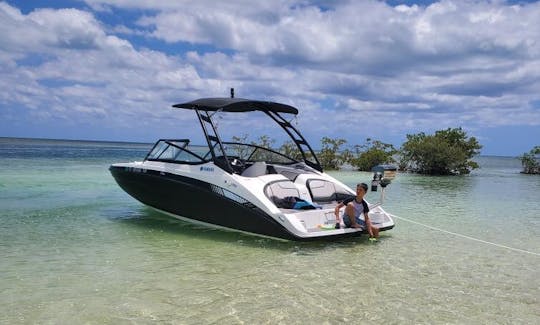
242	186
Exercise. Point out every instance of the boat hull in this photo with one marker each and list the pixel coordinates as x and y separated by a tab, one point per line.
199	201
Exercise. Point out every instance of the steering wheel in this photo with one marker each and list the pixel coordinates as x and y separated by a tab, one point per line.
237	164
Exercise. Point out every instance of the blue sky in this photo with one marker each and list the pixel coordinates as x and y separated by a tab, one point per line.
111	69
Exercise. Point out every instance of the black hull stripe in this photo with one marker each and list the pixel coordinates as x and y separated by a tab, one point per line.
197	200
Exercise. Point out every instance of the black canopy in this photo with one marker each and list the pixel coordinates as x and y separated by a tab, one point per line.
236	105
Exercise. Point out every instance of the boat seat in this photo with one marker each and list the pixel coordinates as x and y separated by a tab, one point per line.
278	191
321	190
257	169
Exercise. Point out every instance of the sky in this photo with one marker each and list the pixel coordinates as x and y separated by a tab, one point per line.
111	69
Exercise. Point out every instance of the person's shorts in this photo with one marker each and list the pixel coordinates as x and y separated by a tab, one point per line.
348	223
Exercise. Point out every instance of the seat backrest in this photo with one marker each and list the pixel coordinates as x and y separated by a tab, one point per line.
278	191
321	190
257	169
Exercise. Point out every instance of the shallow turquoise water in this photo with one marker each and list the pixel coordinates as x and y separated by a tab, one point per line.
75	249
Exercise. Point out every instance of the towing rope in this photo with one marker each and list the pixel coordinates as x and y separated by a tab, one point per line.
467	237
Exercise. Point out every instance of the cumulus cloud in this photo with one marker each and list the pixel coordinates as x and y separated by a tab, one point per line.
441	55
415	67
48	30
63	65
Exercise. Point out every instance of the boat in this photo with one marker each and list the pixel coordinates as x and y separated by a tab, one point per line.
242	186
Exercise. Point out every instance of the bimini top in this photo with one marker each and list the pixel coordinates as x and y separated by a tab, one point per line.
237	105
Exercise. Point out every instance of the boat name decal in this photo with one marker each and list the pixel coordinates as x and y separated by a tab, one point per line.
135	169
206	169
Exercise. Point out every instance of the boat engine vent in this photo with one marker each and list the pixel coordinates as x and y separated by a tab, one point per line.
228	194
232	196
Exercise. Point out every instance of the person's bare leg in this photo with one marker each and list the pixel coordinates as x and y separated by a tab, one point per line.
375	231
349	211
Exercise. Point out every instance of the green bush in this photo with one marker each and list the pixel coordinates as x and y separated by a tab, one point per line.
373	153
329	156
531	162
447	152
290	149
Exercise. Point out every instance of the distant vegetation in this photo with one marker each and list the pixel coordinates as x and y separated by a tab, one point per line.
372	153
447	152
330	156
531	161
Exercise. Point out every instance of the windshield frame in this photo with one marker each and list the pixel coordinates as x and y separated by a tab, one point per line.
155	156
263	149
182	145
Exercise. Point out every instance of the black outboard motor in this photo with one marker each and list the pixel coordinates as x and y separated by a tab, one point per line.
383	176
377	176
385	182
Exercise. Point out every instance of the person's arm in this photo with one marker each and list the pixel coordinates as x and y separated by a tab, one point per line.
339	206
336	213
336	210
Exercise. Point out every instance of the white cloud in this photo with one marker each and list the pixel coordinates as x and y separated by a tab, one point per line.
447	64
48	30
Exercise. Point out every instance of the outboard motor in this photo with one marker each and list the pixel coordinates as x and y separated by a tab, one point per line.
383	176
377	176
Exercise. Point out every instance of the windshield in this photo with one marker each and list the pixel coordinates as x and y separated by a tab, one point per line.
179	151
254	153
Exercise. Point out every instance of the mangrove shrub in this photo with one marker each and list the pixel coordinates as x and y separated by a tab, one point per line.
373	153
290	149
329	156
531	161
447	152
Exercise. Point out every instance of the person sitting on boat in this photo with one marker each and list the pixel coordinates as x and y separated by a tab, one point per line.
354	207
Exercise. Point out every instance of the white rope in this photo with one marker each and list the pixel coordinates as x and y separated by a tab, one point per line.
467	237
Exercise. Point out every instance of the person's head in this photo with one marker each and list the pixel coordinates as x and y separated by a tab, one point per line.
361	189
